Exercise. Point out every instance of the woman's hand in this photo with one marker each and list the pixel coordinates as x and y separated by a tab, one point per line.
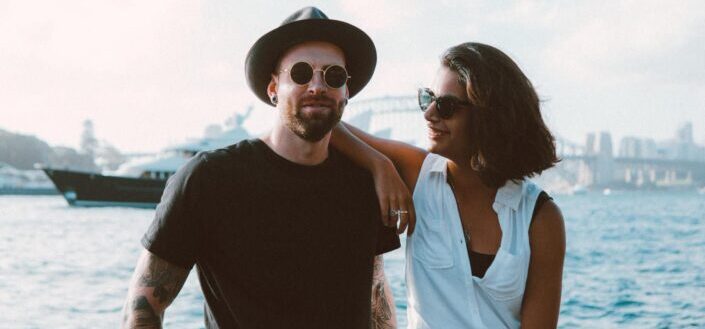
393	196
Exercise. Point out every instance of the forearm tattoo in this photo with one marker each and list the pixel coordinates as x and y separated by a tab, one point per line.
381	309
143	315
160	275
164	280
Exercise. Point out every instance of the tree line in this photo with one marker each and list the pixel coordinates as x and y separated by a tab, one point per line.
25	151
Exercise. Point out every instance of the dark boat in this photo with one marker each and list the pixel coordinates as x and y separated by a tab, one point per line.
90	189
139	183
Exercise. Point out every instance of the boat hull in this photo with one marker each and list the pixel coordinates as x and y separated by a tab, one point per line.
96	190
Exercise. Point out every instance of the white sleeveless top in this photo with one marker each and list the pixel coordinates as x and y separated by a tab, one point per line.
442	293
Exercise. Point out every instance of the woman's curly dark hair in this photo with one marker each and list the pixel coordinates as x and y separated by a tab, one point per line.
509	139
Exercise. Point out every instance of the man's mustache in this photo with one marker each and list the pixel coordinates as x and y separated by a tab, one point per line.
319	99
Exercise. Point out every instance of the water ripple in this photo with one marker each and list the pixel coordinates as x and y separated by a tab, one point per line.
634	260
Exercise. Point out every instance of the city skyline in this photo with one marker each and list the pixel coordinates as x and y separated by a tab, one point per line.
681	145
153	74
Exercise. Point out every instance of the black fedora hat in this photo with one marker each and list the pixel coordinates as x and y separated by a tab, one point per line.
311	24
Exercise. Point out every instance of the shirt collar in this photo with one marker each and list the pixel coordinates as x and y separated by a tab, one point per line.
508	195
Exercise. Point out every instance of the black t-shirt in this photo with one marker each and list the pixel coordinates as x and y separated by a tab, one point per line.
276	244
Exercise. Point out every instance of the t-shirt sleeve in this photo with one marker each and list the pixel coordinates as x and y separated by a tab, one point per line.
387	239
174	234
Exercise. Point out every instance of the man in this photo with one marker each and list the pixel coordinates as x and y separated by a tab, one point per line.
285	232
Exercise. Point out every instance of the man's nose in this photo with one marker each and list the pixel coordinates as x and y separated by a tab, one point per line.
317	85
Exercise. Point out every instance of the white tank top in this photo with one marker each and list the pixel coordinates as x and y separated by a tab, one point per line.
442	293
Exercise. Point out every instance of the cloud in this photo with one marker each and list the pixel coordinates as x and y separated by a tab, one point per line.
631	41
99	37
376	15
142	65
174	66
527	13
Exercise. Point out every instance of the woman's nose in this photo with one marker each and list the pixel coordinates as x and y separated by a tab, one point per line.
431	113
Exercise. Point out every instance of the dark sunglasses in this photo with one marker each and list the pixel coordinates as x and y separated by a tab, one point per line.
335	76
446	105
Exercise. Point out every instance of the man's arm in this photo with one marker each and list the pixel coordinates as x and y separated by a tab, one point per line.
155	283
383	309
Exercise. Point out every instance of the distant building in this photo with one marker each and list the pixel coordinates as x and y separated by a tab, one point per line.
604	171
630	147
590	148
649	149
684	134
680	148
638	148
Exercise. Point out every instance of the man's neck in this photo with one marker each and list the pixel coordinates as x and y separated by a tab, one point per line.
294	148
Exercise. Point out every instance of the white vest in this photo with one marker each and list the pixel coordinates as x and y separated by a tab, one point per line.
442	293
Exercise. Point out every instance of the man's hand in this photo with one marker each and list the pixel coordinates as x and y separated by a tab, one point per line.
155	283
383	309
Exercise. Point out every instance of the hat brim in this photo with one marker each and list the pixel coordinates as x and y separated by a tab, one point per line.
359	50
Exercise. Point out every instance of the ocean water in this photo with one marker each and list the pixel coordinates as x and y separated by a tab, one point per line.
634	260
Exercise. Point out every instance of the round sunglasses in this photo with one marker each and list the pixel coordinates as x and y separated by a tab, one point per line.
301	73
446	105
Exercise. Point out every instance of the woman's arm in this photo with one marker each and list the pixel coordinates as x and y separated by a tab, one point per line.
542	298
407	158
394	166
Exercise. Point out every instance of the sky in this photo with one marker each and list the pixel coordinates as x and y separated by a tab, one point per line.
153	73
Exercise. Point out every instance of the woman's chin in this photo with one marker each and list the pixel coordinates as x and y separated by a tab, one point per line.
435	147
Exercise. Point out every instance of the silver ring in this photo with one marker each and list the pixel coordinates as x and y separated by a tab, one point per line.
398	213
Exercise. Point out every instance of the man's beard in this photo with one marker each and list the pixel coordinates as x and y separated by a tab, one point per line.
313	127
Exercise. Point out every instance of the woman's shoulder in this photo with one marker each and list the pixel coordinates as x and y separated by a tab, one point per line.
431	163
431	168
548	225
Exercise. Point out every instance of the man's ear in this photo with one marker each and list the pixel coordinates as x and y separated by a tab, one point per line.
347	94
272	90
272	86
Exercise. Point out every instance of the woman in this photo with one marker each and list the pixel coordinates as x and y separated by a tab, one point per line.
488	247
